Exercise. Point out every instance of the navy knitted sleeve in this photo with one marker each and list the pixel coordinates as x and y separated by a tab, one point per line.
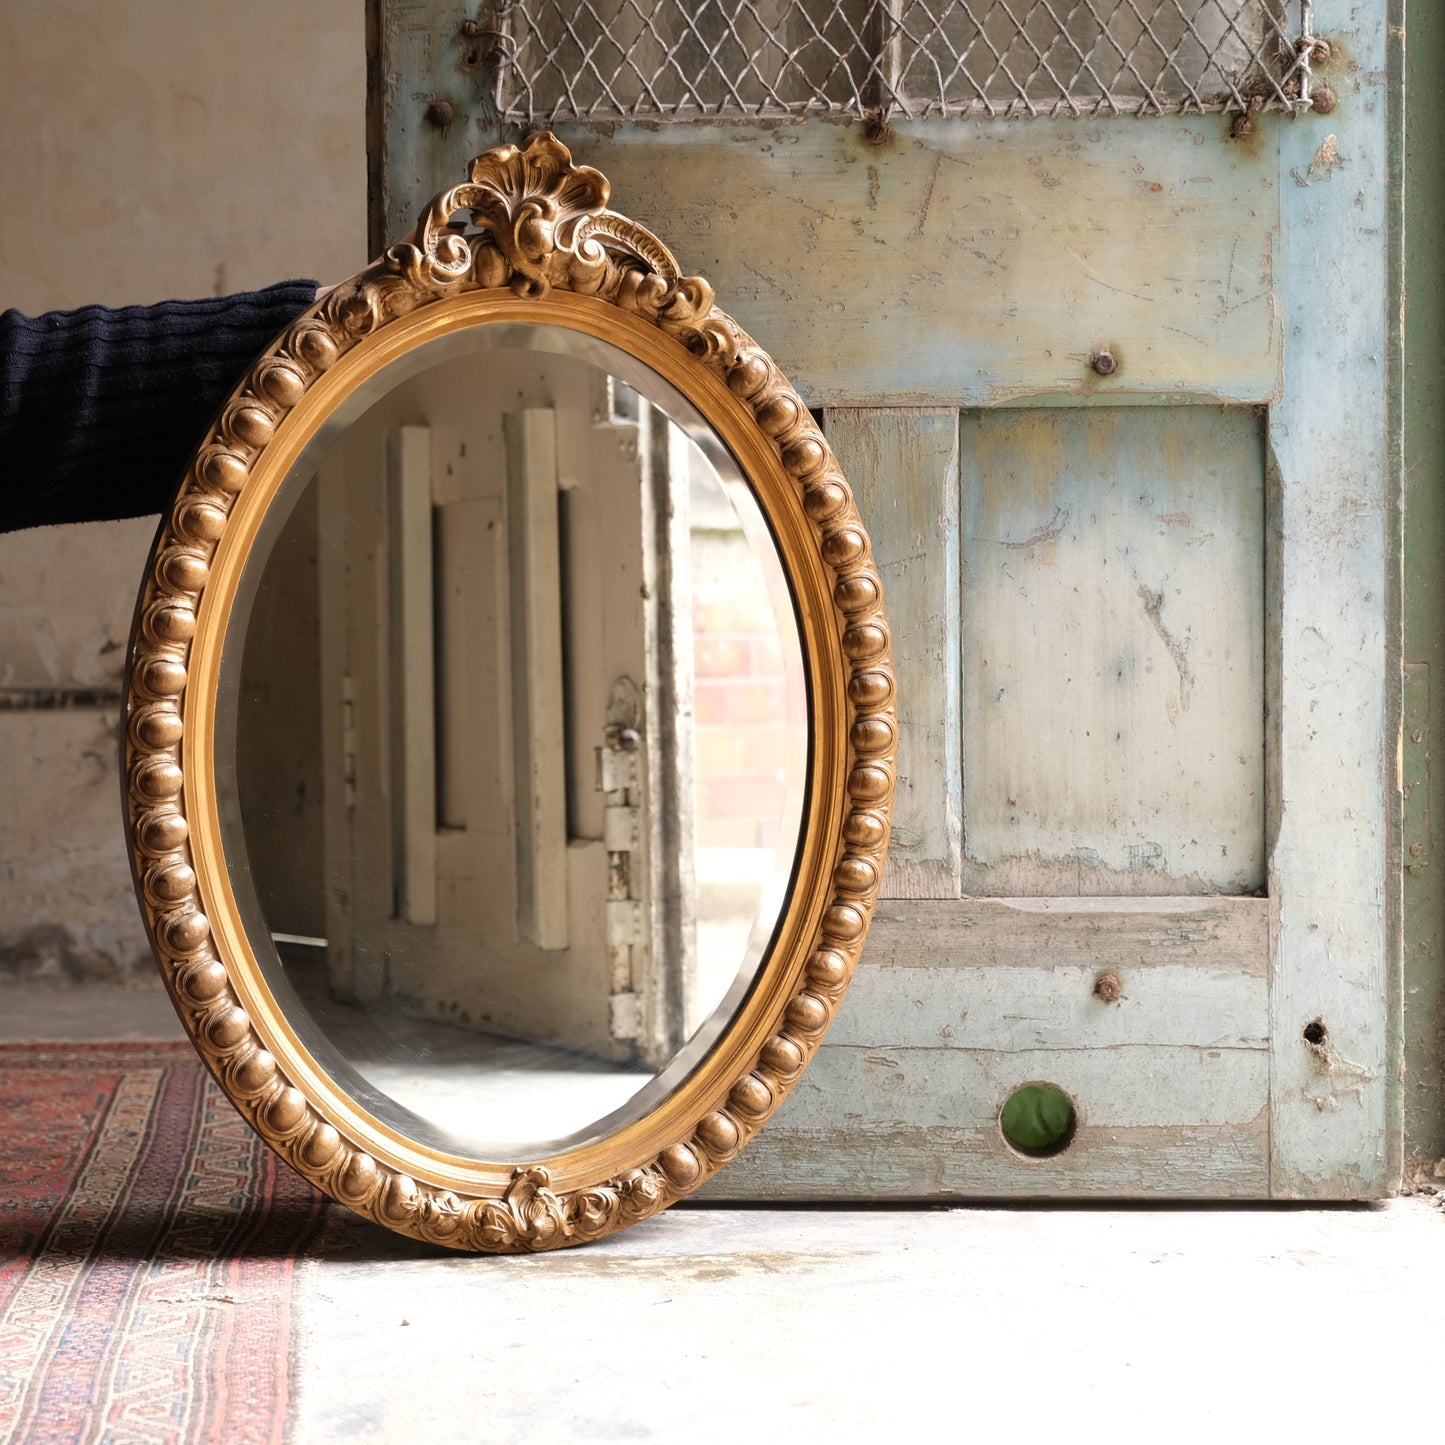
100	409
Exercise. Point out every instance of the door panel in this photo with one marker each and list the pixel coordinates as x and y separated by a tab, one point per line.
1112	636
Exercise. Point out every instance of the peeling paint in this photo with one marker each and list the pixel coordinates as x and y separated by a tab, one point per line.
1326	158
1338	1076
1322	166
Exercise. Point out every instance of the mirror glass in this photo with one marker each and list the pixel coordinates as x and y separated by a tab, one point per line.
511	741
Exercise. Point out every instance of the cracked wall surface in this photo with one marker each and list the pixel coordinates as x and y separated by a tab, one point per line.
172	151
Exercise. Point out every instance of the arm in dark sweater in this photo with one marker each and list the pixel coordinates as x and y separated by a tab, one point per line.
100	409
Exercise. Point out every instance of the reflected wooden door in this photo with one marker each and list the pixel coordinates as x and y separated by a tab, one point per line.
487	560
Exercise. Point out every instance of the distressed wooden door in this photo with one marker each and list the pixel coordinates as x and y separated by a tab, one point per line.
1095	312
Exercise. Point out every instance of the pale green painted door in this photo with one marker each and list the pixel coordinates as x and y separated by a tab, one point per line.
1113	390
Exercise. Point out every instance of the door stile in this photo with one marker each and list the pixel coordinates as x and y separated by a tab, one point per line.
1335	1051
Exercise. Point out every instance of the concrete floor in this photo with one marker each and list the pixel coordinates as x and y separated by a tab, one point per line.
1053	1324
839	1325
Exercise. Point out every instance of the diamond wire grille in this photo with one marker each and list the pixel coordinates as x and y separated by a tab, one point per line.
692	59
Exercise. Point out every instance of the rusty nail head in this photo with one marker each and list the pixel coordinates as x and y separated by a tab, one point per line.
1321	52
471	29
1323	100
1104	362
441	113
628	739
1107	988
1241	126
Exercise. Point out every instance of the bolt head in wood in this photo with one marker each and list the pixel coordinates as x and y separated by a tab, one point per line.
1108	988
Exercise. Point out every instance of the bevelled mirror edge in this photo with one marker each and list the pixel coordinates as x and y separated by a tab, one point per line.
541	243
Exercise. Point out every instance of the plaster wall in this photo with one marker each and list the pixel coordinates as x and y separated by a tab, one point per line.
147	151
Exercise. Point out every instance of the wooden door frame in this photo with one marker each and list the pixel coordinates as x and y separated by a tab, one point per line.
1418	277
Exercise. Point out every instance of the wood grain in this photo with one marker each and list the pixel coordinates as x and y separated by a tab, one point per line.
1113	650
904	466
851	1163
1334	1130
538	744
1228	933
413	676
956	1005
1193	1123
958	264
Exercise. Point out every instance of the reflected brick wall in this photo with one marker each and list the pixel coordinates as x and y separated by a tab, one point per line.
740	700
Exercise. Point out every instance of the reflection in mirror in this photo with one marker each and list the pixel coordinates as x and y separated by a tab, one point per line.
511	741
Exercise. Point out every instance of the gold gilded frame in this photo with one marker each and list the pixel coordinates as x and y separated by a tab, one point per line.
543	247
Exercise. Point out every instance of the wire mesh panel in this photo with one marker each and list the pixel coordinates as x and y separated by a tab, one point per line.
689	59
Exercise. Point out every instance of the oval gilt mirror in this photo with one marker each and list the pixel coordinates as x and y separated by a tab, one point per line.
511	727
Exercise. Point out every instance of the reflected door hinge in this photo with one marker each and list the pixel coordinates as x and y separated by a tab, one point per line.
625	1021
619	775
624	924
618	763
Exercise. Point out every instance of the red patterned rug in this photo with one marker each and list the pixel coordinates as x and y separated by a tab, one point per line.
148	1242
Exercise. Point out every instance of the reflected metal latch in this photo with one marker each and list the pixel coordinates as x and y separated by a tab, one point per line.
620	775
